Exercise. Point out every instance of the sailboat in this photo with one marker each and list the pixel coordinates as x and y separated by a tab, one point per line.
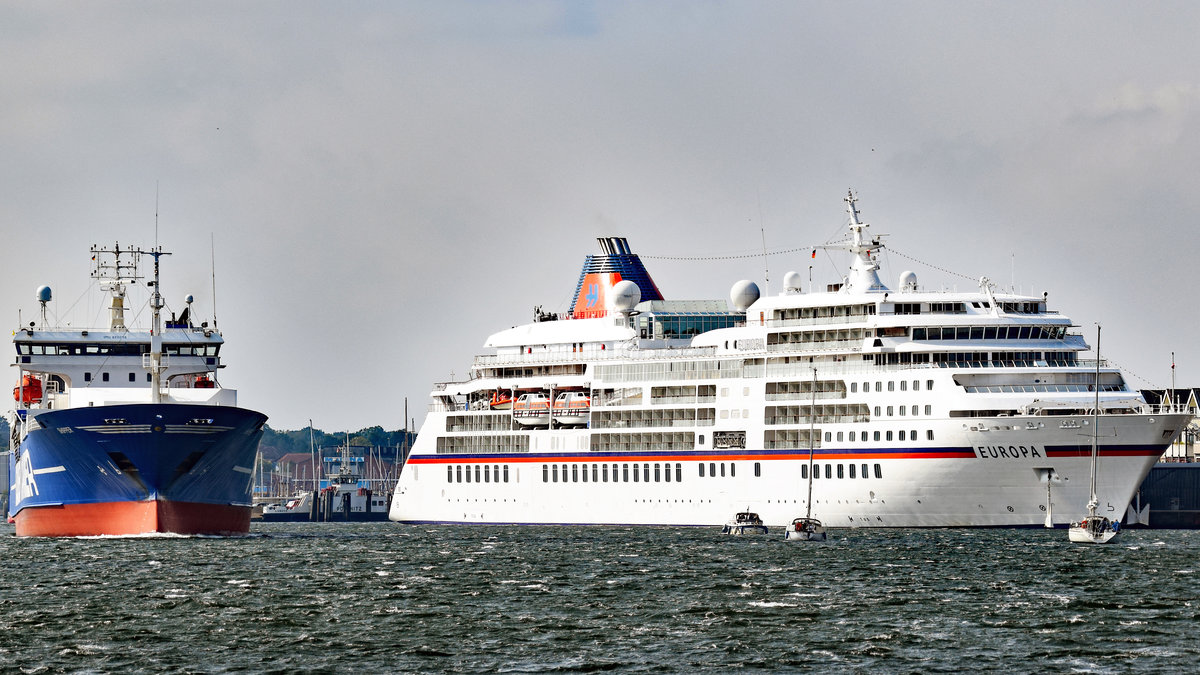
1094	529
808	528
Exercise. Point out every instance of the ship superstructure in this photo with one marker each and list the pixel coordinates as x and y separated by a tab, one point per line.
920	407
124	431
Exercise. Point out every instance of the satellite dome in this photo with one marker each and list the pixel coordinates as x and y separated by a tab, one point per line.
908	281
625	295
743	294
791	282
43	294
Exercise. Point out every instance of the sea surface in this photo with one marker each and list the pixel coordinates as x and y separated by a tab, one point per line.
382	597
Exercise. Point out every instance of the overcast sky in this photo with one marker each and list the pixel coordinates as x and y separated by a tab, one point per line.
386	184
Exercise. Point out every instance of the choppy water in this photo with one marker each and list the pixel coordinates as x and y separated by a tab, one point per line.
382	597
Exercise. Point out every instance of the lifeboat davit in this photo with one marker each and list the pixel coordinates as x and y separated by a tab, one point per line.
29	391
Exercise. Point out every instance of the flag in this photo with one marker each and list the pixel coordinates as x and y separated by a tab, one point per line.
814	255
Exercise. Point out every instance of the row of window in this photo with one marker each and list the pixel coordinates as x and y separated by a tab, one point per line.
911	435
841	471
989	332
620	473
87	377
891	386
486	473
116	349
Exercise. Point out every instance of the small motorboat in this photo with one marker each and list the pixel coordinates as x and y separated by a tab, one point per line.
572	408
1093	530
805	529
746	522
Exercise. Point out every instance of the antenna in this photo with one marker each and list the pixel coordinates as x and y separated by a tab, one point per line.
212	247
155	214
763	231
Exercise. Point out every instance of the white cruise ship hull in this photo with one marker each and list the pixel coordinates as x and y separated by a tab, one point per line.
1008	475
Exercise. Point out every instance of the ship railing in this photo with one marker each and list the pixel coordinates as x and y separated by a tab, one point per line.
589	356
818	321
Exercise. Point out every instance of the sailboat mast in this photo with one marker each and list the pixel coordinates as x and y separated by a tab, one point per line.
812	418
1095	426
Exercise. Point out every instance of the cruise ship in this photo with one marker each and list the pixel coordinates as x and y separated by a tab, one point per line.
919	407
125	432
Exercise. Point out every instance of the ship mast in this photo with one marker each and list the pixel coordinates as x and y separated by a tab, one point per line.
1094	501
155	366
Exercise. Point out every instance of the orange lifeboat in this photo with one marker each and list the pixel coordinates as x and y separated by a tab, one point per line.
501	400
202	382
572	408
532	410
29	391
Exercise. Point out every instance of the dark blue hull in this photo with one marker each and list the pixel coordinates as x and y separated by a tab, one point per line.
84	463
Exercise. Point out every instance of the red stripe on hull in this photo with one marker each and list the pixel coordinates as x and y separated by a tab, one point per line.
122	518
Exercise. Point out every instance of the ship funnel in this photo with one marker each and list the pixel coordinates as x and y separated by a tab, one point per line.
601	273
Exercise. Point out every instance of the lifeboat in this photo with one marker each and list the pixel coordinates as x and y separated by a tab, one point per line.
572	408
501	400
29	391
202	382
532	410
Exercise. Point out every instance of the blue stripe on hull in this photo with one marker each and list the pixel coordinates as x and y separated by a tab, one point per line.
179	452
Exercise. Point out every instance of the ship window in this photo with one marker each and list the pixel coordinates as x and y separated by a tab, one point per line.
712	469
678	472
666	471
604	472
702	469
914	411
903	385
891	385
496	473
722	469
876	435
476	473
635	472
928	385
804	472
554	473
853	387
449	474
133	377
595	473
505	473
840	436
913	434
928	410
891	411
829	471
701	439
657	475
585	473
459	472
929	434
889	435
615	478
732	469
878	411
564	472
878	386
878	471
468	472
902	434
864	471
852	471
828	436
646	473
916	385
487	473
902	411
574	473
87	377
841	471
149	377
866	387
853	436
757	469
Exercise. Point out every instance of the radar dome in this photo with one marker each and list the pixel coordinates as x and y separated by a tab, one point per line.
743	294
625	295
791	282
43	294
908	281
188	299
